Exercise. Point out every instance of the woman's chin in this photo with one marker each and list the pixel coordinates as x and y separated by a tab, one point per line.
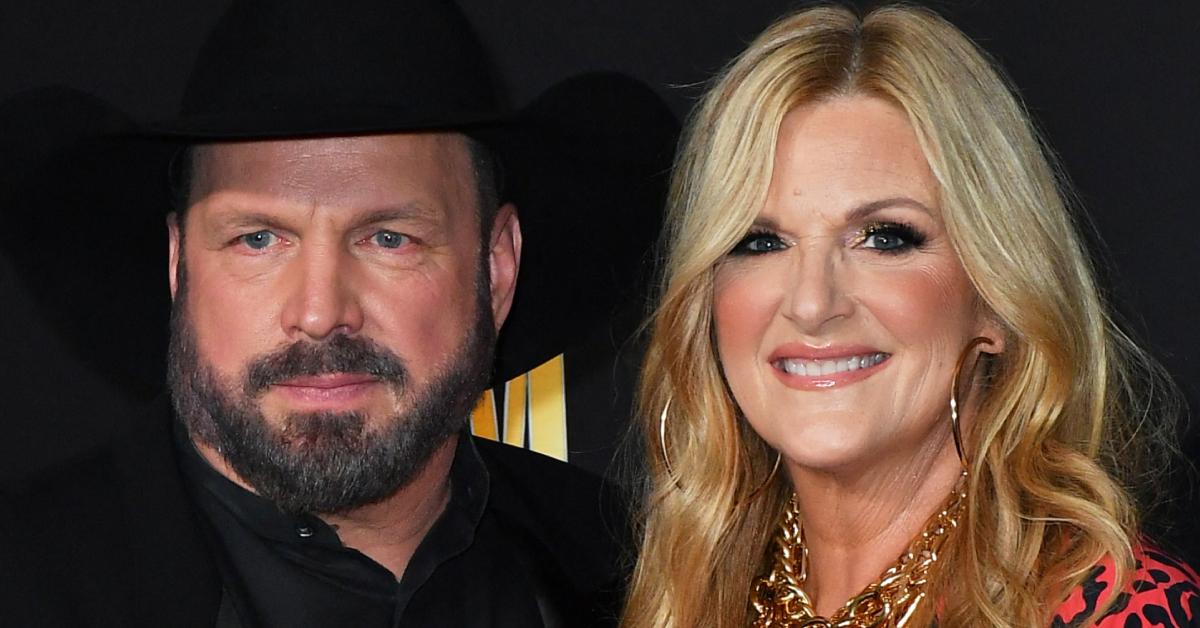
832	454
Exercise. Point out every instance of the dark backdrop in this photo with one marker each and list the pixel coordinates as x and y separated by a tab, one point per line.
1114	87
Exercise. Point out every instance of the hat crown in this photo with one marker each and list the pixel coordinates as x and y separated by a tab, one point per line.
297	67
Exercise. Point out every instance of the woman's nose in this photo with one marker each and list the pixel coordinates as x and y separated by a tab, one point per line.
816	292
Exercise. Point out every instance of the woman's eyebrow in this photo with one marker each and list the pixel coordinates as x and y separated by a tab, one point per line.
860	212
866	209
765	223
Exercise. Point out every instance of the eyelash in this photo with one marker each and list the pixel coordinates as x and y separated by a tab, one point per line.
743	247
908	235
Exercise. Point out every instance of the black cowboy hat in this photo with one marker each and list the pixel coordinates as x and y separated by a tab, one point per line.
585	163
288	68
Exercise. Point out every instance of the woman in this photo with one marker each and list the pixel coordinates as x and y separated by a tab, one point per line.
879	336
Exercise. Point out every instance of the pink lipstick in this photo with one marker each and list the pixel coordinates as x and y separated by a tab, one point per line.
811	368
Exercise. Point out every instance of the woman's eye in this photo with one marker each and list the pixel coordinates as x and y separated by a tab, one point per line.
259	240
389	239
758	243
891	237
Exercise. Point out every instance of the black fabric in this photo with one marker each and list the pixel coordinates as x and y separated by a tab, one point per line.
113	539
107	538
282	68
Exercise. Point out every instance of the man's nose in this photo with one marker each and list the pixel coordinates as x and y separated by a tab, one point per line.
816	292
322	299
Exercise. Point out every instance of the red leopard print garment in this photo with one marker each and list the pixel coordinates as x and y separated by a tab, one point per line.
1164	592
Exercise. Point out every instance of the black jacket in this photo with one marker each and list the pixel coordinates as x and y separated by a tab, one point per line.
113	538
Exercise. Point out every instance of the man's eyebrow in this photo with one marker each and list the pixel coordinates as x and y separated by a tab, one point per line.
866	209
407	211
235	218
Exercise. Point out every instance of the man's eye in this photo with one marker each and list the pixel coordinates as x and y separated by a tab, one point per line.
891	237
390	239
757	243
259	239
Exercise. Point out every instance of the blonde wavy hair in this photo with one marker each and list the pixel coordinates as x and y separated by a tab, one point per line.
1055	442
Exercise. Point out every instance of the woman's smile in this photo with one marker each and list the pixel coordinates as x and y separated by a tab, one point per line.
808	368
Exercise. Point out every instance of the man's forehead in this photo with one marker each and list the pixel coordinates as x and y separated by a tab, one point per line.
364	170
221	157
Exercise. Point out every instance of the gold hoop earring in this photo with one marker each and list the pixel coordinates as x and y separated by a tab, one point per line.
662	445
954	423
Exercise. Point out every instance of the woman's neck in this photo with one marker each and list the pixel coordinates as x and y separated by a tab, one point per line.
857	522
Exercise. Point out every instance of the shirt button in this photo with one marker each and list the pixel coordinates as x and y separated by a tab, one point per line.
304	531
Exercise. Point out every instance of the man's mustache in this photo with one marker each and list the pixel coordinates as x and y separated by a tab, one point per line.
339	354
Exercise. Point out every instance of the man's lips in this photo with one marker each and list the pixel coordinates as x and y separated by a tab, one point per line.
333	391
329	380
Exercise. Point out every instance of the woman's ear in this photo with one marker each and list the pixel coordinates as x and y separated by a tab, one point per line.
994	331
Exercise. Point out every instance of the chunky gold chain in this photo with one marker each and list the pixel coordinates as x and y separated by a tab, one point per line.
779	600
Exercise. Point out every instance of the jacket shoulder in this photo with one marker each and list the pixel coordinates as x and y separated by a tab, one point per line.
549	491
577	524
105	538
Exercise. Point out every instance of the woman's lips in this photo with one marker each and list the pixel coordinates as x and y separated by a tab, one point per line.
818	369
327	390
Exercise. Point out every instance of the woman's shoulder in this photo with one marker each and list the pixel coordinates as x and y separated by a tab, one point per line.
1164	591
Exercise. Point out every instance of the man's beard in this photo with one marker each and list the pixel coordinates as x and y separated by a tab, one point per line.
326	462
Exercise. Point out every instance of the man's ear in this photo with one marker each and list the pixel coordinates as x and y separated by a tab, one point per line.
504	260
174	250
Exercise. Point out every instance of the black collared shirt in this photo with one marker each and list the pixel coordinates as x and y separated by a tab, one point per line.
475	567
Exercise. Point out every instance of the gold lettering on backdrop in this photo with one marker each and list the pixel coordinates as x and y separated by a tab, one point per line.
535	411
547	409
483	417
516	395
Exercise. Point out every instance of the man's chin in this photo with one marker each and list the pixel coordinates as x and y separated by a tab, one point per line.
323	431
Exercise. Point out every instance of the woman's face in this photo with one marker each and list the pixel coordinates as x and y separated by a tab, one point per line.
840	316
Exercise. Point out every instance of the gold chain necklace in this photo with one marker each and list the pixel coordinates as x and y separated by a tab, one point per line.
779	600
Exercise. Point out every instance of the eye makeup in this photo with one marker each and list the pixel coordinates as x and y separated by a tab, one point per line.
889	237
757	242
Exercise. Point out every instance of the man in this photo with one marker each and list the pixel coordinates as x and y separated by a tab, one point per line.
340	264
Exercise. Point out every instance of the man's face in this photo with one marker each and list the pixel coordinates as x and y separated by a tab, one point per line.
335	310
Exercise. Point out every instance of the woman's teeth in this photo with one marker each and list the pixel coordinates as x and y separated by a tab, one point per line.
830	367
